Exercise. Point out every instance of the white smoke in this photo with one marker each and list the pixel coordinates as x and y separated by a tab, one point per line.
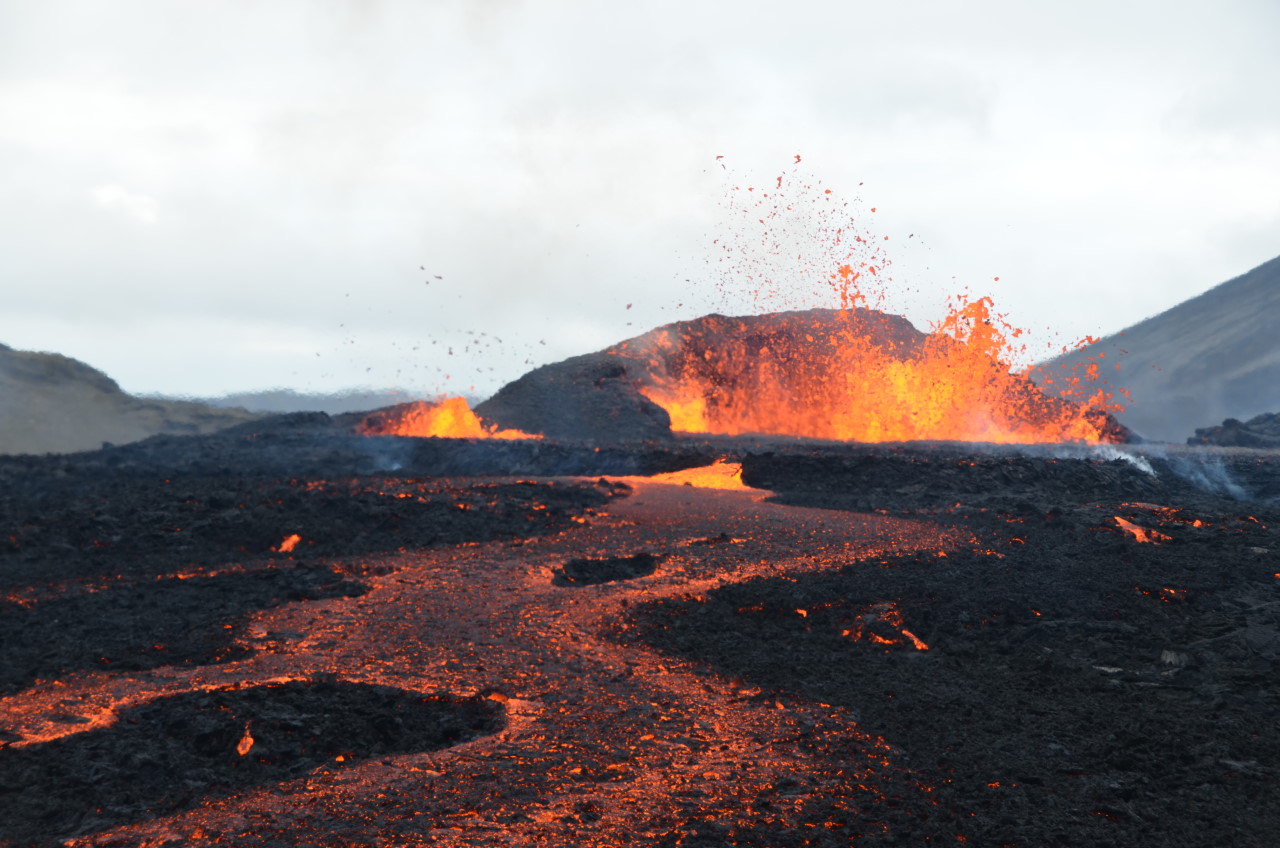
1110	452
1106	453
1208	472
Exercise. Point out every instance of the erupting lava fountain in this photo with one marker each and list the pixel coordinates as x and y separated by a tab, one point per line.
849	373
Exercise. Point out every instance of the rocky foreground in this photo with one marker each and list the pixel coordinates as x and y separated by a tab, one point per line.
287	635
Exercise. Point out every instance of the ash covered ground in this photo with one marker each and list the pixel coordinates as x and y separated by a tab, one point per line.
530	643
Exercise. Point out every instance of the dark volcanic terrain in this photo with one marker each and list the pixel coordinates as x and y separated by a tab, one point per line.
284	635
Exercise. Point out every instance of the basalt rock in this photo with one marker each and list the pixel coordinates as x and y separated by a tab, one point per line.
1261	431
594	397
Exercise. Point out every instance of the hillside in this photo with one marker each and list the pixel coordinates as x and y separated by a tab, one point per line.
51	403
1212	357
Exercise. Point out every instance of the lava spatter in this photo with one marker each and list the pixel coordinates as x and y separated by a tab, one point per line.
796	246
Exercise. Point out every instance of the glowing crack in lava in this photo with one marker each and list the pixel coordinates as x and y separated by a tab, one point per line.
883	624
1142	534
449	418
288	543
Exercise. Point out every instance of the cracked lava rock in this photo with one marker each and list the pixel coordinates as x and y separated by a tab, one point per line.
880	645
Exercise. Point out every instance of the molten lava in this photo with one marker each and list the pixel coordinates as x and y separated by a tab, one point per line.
450	418
883	624
858	375
288	543
1142	534
869	376
245	745
846	373
721	474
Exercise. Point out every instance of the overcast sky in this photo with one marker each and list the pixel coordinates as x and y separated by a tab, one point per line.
199	197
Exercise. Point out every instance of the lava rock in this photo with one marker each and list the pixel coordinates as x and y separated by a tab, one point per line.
594	397
591	572
1261	431
727	361
174	752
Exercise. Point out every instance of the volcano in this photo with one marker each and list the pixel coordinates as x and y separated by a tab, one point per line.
847	375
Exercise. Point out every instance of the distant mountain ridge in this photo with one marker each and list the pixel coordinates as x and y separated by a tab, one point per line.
1213	357
288	400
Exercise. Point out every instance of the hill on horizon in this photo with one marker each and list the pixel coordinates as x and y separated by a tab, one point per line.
1213	357
50	403
281	400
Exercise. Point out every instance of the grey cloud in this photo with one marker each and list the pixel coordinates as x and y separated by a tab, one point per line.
553	160
1244	105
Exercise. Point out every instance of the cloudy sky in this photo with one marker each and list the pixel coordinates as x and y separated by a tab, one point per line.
202	197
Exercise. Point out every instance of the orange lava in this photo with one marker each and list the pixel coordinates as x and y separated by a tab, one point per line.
799	246
450	418
288	543
1167	515
720	474
883	624
1142	534
636	737
856	383
245	745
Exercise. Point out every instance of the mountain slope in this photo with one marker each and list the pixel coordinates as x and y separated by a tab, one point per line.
51	403
1212	357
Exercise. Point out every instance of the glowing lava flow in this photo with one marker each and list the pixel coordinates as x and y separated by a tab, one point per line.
1142	534
721	474
450	418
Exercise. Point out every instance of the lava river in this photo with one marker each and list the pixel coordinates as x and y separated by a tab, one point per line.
604	741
